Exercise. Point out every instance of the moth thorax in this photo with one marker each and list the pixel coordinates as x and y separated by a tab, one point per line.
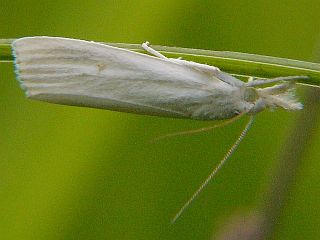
250	94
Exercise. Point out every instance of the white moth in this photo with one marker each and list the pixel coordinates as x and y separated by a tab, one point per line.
82	73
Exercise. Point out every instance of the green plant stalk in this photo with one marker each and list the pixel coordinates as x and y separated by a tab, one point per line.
293	152
5	50
238	64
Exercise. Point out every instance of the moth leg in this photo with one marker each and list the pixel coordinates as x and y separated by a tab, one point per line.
150	50
259	82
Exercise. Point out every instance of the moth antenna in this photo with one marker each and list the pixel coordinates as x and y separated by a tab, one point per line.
215	170
198	130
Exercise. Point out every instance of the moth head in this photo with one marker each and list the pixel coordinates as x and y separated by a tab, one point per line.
280	95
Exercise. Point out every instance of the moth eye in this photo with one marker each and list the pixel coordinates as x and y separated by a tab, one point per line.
250	95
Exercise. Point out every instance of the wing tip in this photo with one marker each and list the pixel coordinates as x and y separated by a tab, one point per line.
16	63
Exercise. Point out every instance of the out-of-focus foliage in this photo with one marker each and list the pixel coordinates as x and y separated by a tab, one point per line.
77	173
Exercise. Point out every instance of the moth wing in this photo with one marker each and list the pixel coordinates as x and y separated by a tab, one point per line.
82	73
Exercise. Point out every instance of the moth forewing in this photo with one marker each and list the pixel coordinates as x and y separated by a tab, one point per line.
77	72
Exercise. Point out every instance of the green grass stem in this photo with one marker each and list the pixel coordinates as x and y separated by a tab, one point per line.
235	63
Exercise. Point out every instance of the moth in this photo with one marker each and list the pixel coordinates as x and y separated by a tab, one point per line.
89	74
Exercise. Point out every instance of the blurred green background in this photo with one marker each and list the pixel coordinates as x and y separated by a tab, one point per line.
78	173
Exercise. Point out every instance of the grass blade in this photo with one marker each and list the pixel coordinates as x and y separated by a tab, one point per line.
238	64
